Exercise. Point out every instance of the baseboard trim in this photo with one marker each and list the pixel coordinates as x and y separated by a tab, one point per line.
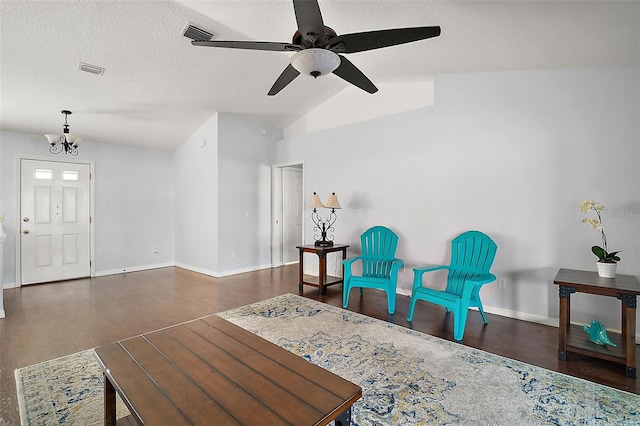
217	274
133	269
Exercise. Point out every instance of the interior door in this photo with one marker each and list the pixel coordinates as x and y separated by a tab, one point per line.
292	213
55	230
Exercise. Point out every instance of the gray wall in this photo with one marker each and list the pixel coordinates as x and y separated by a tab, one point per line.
511	154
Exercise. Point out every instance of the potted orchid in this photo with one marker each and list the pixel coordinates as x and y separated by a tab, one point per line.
607	261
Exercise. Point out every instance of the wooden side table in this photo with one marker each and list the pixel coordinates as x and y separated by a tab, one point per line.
322	270
572	338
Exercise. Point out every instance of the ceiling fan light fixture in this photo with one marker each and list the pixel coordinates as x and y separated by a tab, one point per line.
315	62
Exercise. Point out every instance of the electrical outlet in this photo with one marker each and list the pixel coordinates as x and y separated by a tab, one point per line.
502	282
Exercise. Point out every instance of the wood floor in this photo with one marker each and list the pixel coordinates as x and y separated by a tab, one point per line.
52	320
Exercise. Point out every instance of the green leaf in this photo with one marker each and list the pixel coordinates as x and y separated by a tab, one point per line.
599	252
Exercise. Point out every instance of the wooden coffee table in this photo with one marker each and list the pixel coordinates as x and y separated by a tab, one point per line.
210	371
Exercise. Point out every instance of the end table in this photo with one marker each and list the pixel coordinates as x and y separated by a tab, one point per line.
321	252
572	338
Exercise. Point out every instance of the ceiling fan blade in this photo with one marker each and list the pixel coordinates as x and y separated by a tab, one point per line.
360	42
347	71
309	19
251	45
285	78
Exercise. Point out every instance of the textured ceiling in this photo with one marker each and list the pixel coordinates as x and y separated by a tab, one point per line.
158	89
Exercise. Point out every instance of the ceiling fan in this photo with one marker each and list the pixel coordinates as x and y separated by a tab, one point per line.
318	47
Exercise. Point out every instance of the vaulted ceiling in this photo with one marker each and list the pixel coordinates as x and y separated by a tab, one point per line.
157	88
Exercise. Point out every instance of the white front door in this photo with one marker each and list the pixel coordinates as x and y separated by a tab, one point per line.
54	212
292	213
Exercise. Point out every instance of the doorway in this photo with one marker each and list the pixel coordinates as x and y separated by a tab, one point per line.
287	210
55	221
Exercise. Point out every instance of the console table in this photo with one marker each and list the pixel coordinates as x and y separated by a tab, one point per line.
572	338
322	270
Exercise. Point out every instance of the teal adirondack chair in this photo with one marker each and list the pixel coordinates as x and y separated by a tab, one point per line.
379	265
472	255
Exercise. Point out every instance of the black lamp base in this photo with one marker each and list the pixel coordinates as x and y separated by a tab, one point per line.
321	243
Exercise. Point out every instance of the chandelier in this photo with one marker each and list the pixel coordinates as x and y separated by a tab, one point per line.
67	141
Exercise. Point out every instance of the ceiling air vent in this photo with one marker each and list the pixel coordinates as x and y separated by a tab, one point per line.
195	33
93	69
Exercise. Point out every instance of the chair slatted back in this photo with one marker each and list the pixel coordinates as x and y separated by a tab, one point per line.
378	251
472	254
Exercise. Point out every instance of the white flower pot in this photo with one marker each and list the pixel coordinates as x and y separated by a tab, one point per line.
606	270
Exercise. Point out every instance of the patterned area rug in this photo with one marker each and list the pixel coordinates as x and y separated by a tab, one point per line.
408	378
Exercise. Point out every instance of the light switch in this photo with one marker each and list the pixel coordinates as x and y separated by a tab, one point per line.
1	218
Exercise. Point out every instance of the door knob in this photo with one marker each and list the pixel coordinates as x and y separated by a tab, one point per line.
26	231
26	219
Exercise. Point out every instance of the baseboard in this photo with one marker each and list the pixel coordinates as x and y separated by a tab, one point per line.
217	274
2	314
9	285
133	269
553	322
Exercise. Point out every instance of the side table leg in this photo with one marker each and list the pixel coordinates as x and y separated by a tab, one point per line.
629	331
322	272
109	403
301	271
563	326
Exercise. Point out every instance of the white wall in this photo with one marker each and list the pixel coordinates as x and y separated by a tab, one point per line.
245	193
134	200
196	164
511	154
223	197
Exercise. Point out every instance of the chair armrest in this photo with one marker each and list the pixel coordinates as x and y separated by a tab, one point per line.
397	263
483	279
418	272
350	260
346	264
430	268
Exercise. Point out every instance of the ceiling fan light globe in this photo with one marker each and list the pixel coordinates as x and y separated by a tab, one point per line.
315	62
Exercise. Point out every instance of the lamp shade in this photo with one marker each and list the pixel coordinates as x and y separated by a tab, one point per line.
315	62
315	202
332	202
52	138
70	137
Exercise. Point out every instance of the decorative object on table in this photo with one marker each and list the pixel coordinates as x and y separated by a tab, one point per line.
324	225
607	262
598	334
472	254
67	141
379	265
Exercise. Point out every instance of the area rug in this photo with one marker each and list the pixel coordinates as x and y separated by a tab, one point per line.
407	377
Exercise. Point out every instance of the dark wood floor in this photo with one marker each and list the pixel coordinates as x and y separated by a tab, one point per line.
51	320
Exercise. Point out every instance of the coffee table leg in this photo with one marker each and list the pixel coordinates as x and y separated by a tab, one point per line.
344	418
109	403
